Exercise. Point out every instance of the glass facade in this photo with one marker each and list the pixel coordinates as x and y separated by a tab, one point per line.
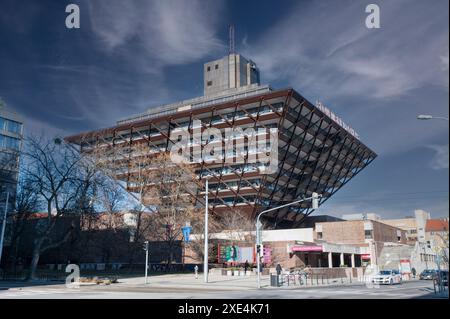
10	142
10	126
10	145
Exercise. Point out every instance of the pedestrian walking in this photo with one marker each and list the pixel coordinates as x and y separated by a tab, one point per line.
246	265
278	269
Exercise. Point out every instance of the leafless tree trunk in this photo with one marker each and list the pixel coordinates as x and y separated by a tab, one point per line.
26	203
168	188
64	187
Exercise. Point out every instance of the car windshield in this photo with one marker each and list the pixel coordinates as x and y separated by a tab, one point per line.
385	272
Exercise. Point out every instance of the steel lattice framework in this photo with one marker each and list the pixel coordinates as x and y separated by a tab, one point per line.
315	153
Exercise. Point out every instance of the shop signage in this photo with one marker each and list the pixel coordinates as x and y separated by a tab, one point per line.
365	256
306	248
405	266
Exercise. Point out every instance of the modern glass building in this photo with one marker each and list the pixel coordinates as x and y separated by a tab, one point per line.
11	135
315	150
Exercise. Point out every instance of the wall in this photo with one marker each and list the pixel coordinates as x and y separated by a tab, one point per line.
352	232
407	224
345	232
387	233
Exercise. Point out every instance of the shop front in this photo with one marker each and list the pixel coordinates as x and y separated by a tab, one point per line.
321	255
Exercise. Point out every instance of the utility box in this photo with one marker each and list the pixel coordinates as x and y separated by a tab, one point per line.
274	280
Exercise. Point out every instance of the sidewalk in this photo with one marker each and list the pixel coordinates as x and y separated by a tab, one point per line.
219	282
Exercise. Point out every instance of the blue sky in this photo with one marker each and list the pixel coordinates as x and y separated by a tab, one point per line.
130	55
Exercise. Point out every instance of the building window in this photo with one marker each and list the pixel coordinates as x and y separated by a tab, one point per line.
208	68
9	142
209	83
14	127
319	235
10	126
368	234
216	66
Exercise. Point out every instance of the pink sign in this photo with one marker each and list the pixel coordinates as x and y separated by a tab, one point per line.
267	255
306	248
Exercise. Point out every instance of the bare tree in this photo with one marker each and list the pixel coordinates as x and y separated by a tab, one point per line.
64	188
169	189
109	196
26	203
236	225
441	246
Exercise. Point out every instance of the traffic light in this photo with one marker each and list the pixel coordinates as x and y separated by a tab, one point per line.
258	249
145	246
315	200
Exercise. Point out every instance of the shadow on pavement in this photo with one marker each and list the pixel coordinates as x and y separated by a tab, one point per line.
6	285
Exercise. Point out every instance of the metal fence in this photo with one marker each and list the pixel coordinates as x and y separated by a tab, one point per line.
125	272
306	280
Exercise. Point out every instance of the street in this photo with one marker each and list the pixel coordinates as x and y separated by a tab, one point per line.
410	289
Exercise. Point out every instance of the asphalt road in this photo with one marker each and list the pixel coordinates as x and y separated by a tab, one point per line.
413	289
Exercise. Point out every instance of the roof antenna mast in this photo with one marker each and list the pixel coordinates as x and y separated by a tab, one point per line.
231	39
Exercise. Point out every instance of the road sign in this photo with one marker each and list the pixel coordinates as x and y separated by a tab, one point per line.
186	232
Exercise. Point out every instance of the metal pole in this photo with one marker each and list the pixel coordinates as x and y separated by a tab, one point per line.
258	237
258	253
205	262
146	262
425	257
4	225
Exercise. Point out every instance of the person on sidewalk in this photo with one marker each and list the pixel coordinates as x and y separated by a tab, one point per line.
246	265
278	269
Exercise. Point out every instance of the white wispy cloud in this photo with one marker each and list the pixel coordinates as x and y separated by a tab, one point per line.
326	38
388	206
168	32
440	158
376	79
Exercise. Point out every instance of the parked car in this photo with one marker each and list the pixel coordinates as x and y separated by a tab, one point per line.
388	277
428	274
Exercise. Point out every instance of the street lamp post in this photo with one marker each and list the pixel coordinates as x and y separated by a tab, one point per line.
205	261
315	204
4	225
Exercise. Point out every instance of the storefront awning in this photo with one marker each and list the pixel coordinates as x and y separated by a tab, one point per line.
299	248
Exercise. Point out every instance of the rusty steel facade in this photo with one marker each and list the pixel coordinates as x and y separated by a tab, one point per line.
315	154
